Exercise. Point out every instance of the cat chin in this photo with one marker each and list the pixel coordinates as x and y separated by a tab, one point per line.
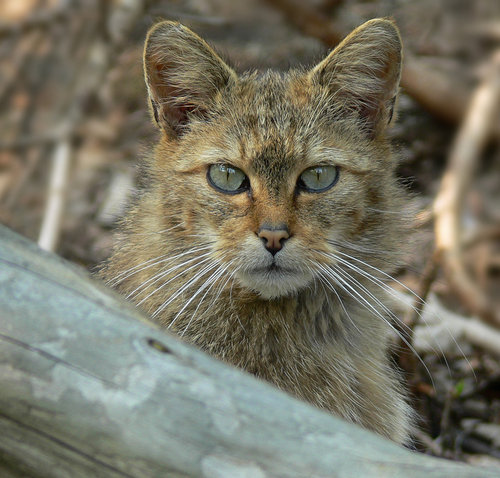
273	285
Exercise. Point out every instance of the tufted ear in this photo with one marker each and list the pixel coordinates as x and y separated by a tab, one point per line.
362	74
183	76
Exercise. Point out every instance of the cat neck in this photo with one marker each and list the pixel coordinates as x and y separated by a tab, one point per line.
310	318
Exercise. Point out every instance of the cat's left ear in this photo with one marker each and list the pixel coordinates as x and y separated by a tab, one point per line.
362	74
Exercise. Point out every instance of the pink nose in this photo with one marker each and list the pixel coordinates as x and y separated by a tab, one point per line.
274	237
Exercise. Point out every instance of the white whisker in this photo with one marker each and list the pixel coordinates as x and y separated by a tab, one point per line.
151	263
331	273
392	292
163	231
212	280
385	274
165	272
184	287
355	294
174	278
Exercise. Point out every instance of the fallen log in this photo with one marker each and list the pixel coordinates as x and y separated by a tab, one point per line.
90	388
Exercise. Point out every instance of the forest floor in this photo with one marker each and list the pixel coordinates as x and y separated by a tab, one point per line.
71	87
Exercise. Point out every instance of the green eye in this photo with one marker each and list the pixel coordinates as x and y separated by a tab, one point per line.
318	178
227	179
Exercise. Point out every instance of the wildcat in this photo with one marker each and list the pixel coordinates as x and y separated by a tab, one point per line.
267	226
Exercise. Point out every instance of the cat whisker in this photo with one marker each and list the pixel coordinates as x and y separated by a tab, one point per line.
381	255
371	278
324	280
354	247
175	277
371	296
184	287
387	311
349	288
222	286
330	273
212	280
165	272
385	274
391	291
151	263
119	277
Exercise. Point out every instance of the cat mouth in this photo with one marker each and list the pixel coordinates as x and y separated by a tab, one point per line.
274	269
273	280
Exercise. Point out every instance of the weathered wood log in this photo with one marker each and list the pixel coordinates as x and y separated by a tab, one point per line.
89	388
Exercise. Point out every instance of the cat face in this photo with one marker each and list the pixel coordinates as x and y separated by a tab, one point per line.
274	172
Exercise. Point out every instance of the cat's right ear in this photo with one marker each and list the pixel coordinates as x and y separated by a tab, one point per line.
183	76
362	74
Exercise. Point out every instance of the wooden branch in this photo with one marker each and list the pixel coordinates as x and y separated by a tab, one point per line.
91	74
88	387
406	356
444	97
441	331
51	225
440	95
466	151
442	325
310	21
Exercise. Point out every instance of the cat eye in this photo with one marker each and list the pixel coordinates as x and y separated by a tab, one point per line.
227	179
318	178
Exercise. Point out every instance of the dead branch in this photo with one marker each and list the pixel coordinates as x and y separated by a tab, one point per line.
310	21
49	231
445	331
440	95
407	359
39	19
471	139
444	97
88	78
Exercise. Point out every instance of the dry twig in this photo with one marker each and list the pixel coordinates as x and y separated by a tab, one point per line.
407	359
442	96
472	137
40	19
310	21
100	48
49	232
443	330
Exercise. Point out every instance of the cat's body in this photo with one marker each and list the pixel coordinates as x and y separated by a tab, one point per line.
269	221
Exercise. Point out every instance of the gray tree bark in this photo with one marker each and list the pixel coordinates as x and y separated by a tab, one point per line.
90	388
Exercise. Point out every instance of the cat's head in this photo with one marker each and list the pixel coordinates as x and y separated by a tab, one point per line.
278	173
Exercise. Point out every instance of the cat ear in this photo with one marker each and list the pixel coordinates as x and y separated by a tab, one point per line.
183	76
363	73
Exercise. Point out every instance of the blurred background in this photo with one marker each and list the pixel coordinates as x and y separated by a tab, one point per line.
74	124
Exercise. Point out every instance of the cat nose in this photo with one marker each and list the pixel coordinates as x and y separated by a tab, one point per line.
274	237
